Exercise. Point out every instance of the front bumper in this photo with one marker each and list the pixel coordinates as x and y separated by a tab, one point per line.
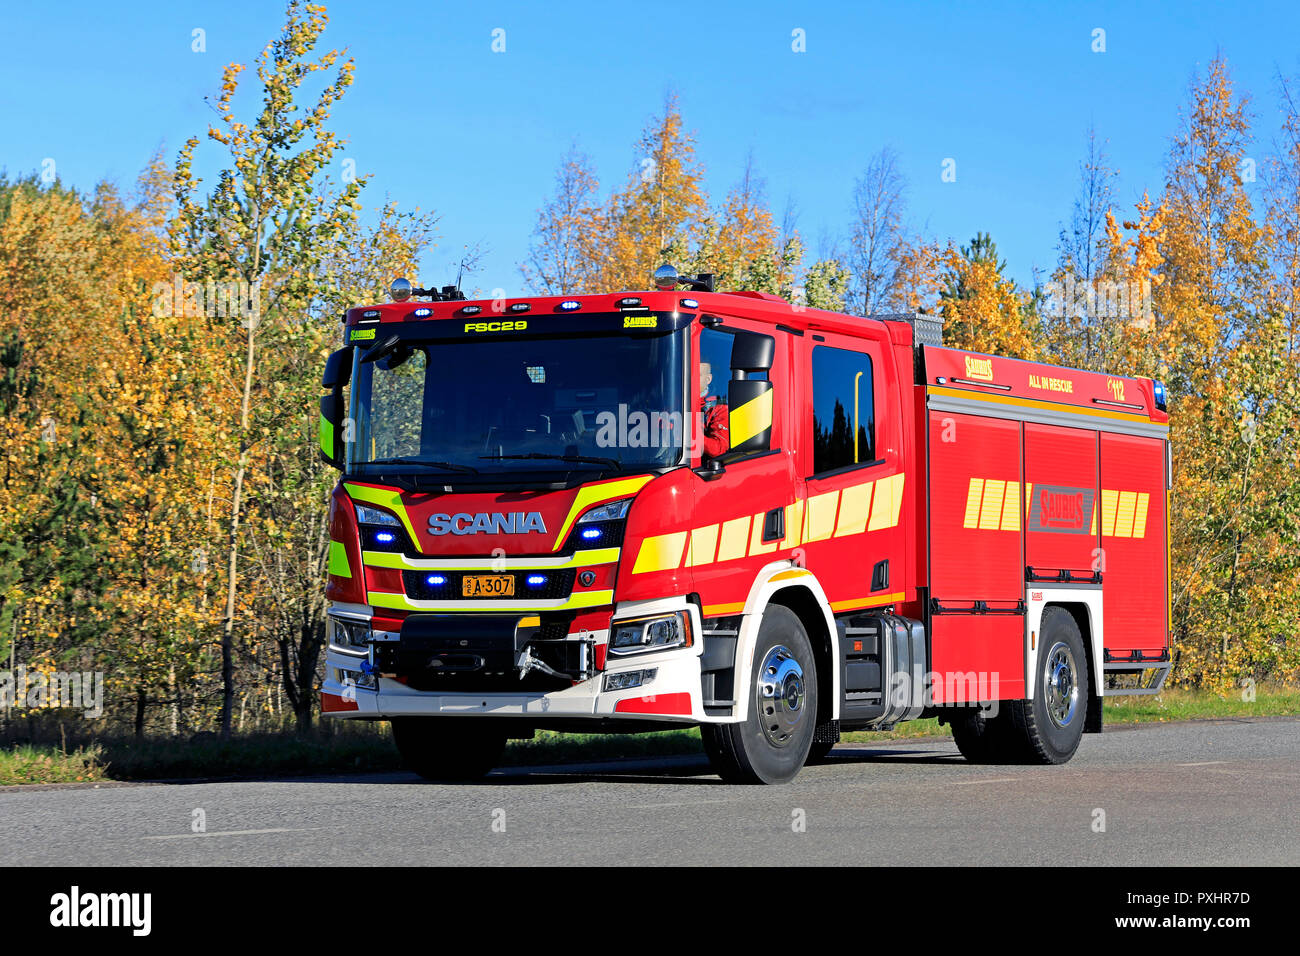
673	696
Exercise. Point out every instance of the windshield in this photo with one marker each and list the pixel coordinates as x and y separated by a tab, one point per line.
599	402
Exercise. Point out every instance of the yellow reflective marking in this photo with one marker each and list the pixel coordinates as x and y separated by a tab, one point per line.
792	573
973	496
991	510
735	535
867	602
888	502
855	507
530	622
1109	497
704	544
1140	516
589	495
661	552
715	609
326	436
1124	517
1011	507
338	563
820	522
751	418
793	525
385	498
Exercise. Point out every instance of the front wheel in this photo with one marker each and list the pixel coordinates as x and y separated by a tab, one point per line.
448	748
773	741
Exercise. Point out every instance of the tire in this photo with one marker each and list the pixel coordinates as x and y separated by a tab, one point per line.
983	739
773	742
1047	729
447	748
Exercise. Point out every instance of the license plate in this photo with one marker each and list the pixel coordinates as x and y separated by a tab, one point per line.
487	585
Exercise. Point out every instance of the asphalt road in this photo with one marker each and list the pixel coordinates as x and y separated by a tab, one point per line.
1216	792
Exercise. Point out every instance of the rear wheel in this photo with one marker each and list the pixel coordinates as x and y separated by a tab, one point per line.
773	741
1048	728
982	738
448	748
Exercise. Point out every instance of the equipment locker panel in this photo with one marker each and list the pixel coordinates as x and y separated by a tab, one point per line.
976	557
1135	569
975	509
1061	531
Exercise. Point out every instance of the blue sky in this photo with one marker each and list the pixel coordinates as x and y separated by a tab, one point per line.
1007	90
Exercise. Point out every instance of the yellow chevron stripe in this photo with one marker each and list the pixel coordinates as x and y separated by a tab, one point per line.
991	510
660	552
751	418
703	545
820	523
338	560
855	508
1140	516
589	495
888	502
974	495
735	535
1011	507
1109	498
384	498
1124	516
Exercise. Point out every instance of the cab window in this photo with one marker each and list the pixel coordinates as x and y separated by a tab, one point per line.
844	426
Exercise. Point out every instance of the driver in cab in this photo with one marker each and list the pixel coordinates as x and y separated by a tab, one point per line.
716	430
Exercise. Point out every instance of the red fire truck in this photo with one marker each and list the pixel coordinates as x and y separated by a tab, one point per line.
681	507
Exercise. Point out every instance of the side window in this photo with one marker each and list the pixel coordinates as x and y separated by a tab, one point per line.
715	371
844	425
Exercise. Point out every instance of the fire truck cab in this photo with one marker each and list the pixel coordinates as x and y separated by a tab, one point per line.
679	507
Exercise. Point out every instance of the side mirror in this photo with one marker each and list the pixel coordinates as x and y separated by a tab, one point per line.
338	375
749	400
751	352
749	415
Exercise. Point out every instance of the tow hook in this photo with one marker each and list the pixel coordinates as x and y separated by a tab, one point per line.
528	663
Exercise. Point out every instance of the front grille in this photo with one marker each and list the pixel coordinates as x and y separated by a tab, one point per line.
558	584
478	652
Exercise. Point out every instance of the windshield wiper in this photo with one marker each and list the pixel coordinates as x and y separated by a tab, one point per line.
612	463
423	463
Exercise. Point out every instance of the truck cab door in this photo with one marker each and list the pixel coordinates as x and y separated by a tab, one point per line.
851	458
748	499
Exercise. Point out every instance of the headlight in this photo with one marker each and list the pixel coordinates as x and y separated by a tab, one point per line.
650	634
613	511
344	632
375	516
601	527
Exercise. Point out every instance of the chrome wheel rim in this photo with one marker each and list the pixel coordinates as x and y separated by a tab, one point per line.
779	696
1060	684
